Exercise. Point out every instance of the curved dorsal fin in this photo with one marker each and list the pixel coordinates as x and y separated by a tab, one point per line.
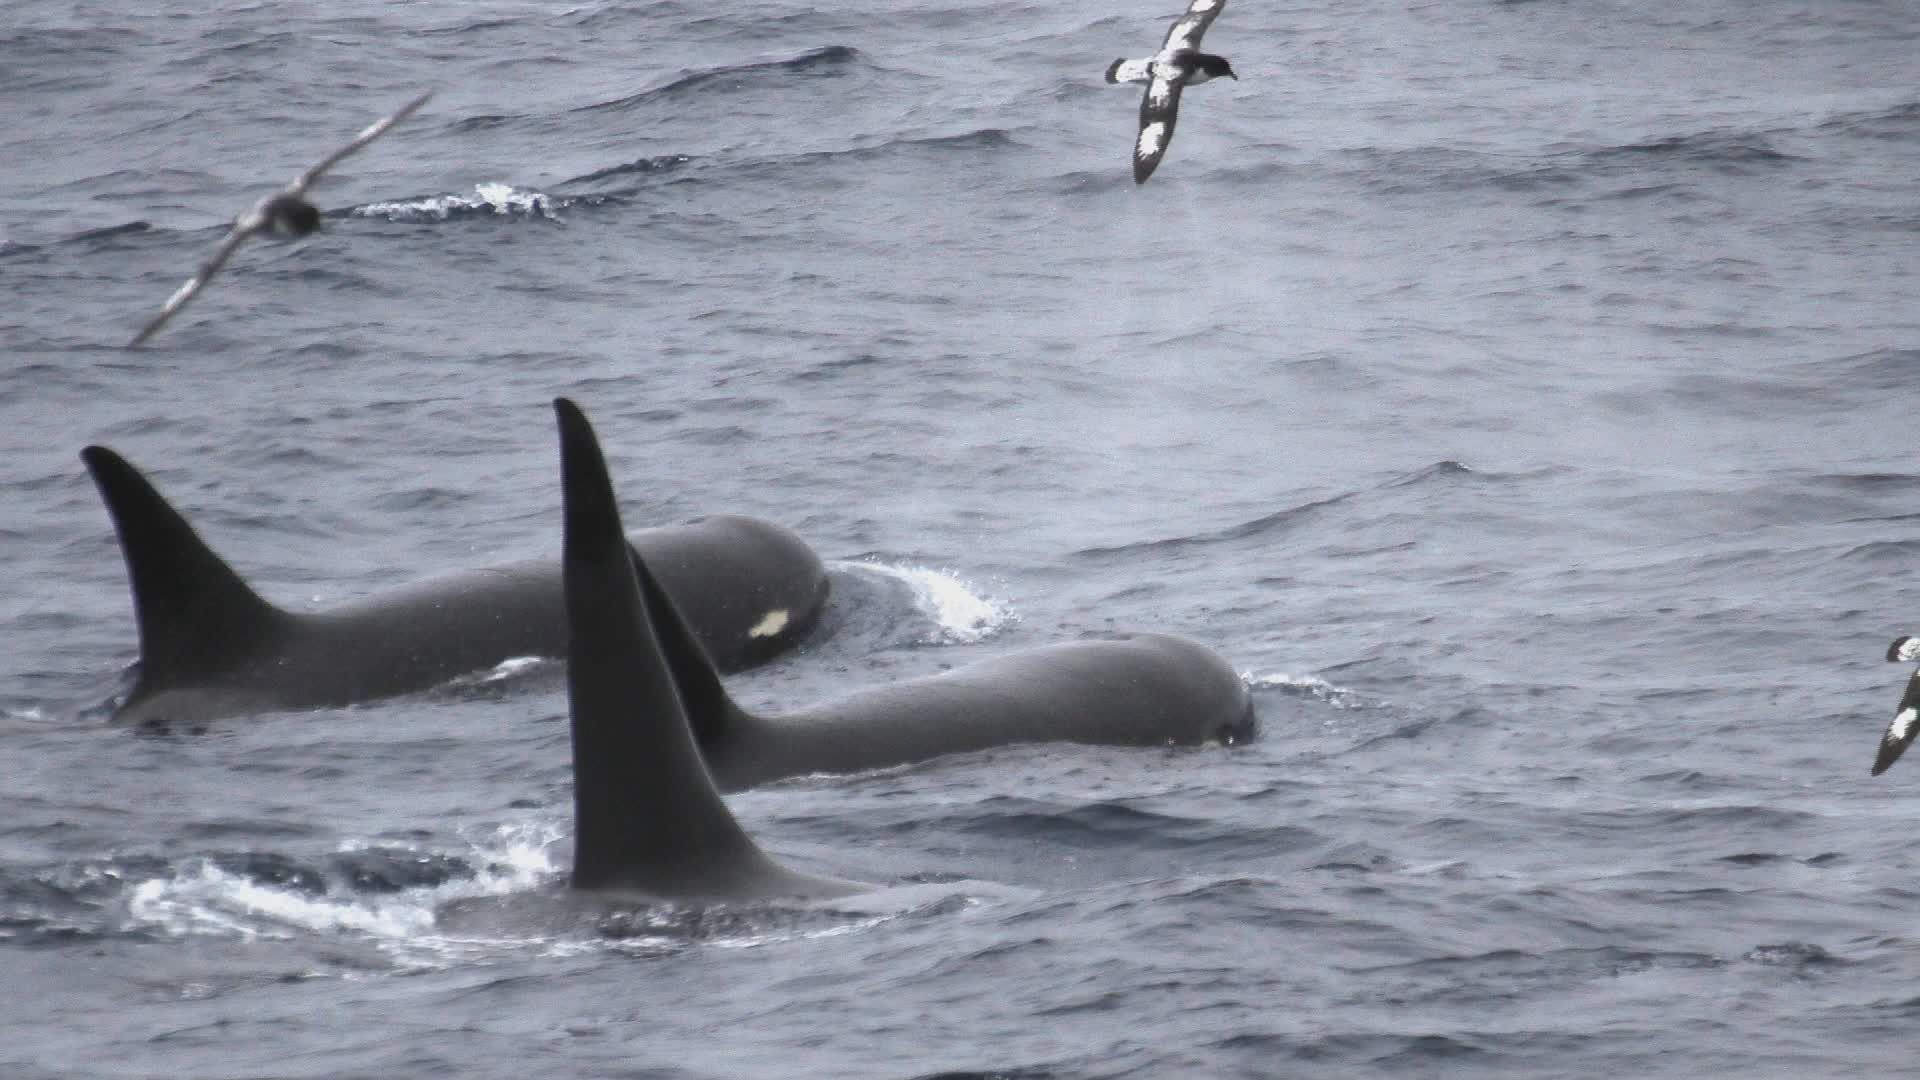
710	712
194	613
646	813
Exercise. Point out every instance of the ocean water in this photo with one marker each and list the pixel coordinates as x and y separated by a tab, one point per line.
1517	393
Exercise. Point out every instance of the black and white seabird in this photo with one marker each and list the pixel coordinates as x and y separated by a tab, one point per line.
286	214
1177	65
1906	718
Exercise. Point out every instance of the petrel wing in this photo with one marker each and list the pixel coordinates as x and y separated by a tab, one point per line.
250	222
372	131
1905	725
1125	70
1159	108
1187	30
256	219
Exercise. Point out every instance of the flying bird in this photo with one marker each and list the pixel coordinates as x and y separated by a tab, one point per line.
1906	718
285	213
1178	64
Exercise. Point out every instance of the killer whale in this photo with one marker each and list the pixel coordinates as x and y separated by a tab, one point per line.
211	646
648	820
1128	690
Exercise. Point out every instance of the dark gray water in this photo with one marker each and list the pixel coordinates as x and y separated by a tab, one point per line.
1519	393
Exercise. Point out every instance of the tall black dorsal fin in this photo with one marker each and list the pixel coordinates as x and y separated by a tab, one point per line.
195	614
646	814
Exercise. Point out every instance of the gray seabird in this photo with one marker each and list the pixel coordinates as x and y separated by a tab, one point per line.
286	214
1177	65
1906	717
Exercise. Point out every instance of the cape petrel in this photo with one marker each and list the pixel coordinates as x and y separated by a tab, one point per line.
1906	717
286	214
1177	65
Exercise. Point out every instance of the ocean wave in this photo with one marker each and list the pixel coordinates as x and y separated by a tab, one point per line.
1508	964
95	241
1889	369
1662	164
965	141
1312	686
1277	523
1119	824
827	60
391	895
1438	471
646	166
1900	122
1827	384
493	199
1874	483
1896	553
960	615
426	910
1793	954
1721	150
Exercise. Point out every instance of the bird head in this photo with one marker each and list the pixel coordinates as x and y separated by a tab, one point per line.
1216	66
291	215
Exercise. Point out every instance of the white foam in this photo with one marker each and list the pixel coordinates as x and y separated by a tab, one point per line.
1337	696
961	616
503	199
502	671
200	898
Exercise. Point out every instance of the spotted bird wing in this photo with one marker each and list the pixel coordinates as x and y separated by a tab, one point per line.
372	131
248	224
1187	30
1159	108
1905	725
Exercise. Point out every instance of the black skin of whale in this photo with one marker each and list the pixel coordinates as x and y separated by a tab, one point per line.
649	824
1136	690
211	647
1133	690
649	820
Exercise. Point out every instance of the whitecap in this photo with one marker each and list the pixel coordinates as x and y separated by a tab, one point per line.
961	615
1312	685
502	199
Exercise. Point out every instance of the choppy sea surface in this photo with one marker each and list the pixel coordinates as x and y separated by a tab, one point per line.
1519	394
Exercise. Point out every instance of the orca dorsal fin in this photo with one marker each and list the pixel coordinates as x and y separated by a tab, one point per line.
711	712
193	611
647	816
